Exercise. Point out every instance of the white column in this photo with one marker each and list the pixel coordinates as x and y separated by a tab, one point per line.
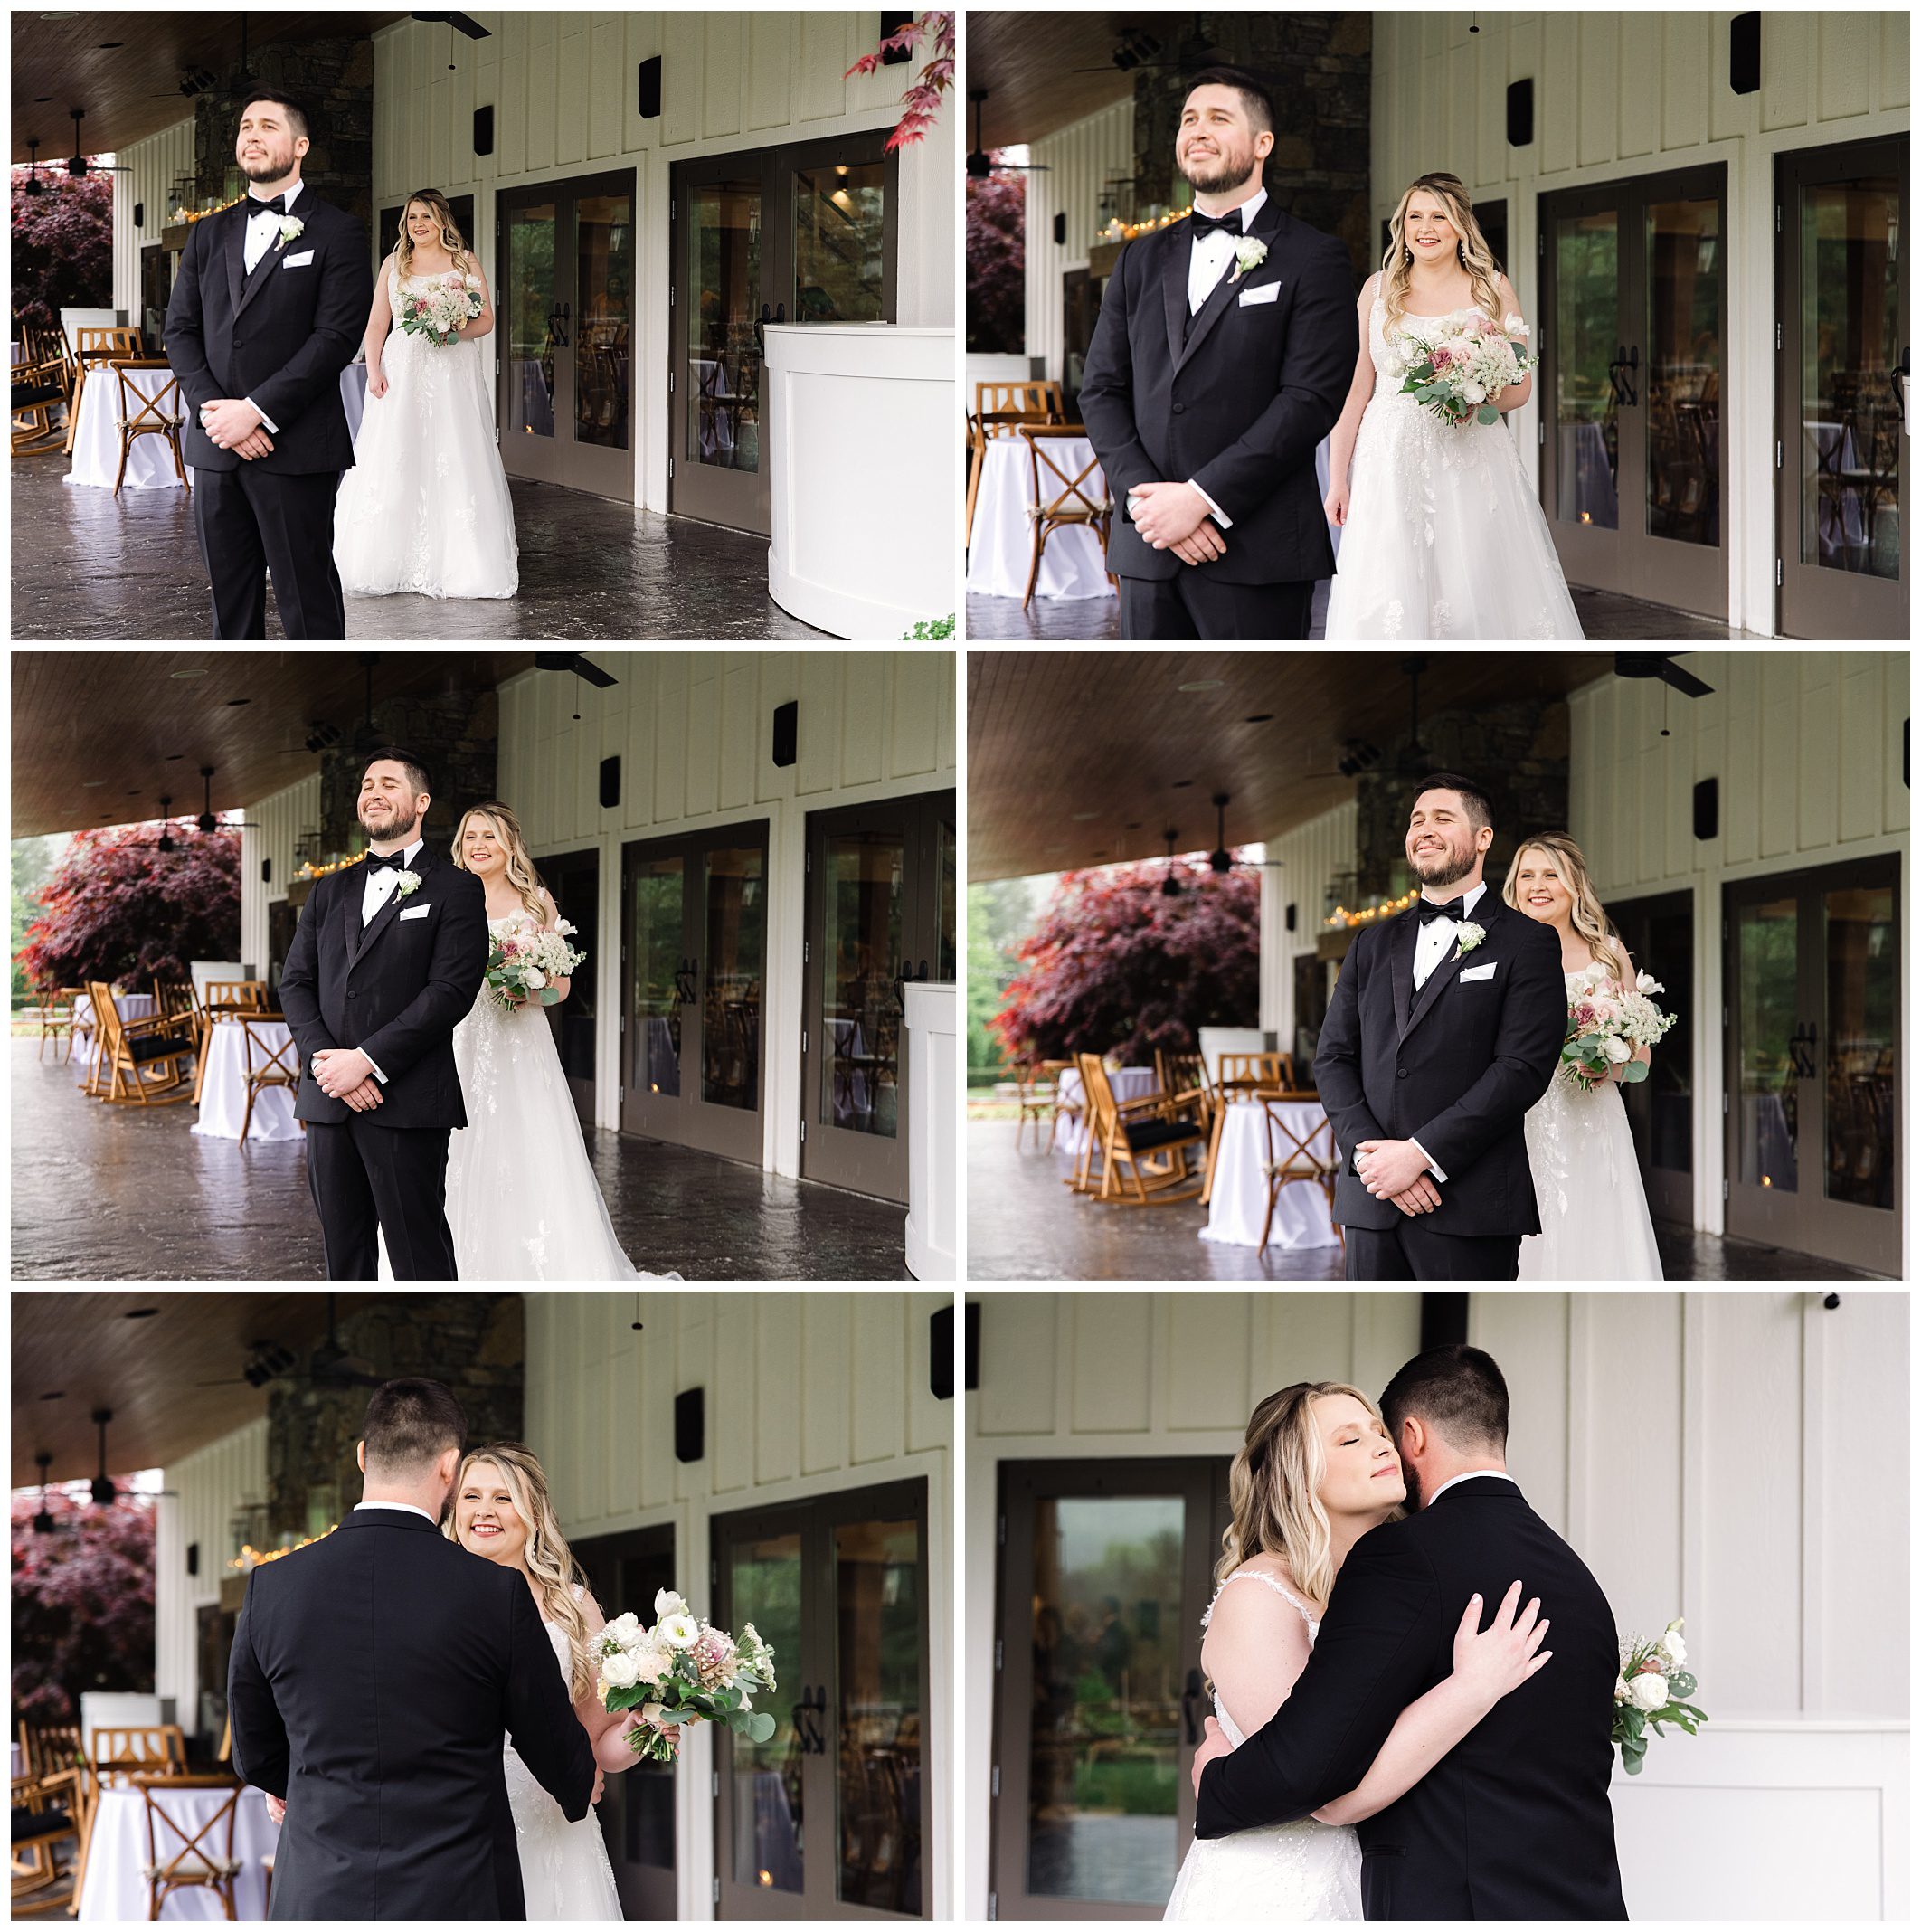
933	1129
1277	962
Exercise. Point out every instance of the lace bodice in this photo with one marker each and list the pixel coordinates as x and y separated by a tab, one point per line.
1287	1596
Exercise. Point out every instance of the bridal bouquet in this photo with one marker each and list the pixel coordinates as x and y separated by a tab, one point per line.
522	962
440	310
1459	372
1651	1690
1604	1027
682	1672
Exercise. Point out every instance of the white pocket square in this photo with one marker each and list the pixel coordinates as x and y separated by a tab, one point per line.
1480	973
421	912
299	261
1266	292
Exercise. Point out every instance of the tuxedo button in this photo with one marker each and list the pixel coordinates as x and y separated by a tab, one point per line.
1400	1073
1180	409
353	994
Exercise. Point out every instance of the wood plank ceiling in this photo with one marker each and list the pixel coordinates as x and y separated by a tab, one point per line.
1045	71
98	736
1085	758
76	1351
125	70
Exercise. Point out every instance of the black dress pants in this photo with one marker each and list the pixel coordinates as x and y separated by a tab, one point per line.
1194	606
252	521
1414	1252
365	1177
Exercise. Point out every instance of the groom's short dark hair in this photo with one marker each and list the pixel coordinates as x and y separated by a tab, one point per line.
418	776
1479	806
297	122
1258	102
1455	1390
410	1424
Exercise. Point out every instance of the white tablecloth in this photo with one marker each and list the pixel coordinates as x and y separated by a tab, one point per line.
1238	1204
1130	1082
96	437
128	1006
1001	548
112	1888
223	1092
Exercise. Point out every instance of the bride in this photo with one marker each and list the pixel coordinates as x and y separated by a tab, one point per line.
1442	535
1595	1220
502	1511
425	507
1316	1471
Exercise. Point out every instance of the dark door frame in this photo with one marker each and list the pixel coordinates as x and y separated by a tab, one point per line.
1669	1190
560	1017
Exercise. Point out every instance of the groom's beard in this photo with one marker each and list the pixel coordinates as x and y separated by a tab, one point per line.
1230	170
1448	871
392	832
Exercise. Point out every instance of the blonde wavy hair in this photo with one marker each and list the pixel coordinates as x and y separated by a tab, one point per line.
436	205
548	1558
1590	917
1473	252
520	869
1273	1489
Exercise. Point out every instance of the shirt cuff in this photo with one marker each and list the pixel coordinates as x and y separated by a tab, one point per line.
1220	516
383	1078
267	421
1433	1166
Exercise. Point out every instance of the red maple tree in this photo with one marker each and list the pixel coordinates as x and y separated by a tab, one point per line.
63	245
997	265
921	104
1117	966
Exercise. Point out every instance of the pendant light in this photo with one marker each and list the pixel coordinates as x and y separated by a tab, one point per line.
104	1491
1170	886
1220	861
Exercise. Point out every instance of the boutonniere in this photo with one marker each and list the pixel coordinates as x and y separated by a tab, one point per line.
1469	935
1248	255
407	882
291	228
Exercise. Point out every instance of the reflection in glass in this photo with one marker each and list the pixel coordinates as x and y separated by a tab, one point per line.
730	1046
722	377
1767	979
769	1835
660	983
1863	975
1852	439
643	1793
603	311
946	964
1587	308
1670	1083
839	227
860	1070
1105	1771
573	1019
878	1614
530	305
1684	370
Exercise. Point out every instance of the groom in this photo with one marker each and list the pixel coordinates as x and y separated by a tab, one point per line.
1514	1823
375	1677
270	306
385	962
1223	354
1445	1027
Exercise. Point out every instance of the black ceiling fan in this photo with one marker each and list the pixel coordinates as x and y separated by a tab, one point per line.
32	185
330	1366
464	22
1661	664
572	660
206	821
1221	861
80	168
981	164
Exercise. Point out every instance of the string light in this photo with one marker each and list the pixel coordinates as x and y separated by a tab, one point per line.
1368	915
1119	230
312	870
250	1559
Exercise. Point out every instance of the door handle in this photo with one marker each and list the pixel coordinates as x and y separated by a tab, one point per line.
900	984
1191	1696
1621	373
557	321
1801	1050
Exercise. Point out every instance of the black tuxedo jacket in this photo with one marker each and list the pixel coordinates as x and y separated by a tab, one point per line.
1514	1823
396	989
1236	403
281	335
1454	1066
375	1676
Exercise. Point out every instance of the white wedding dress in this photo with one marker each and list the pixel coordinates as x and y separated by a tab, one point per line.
1285	1873
1595	1220
425	510
1444	536
564	1868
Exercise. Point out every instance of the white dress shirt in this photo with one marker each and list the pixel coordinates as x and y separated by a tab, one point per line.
1437	937
1468	1475
262	230
382	881
423	1515
1211	258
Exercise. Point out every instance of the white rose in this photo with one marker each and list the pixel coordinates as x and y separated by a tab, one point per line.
625	1630
1474	393
677	1633
1674	1649
1649	1690
1616	1048
1622	1694
670	1603
651	1662
619	1671
537	978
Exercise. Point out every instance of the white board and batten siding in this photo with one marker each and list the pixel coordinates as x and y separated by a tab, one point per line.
152	168
1808	749
807	1395
274	828
1296	871
1621	95
563	88
1079	162
1702	1451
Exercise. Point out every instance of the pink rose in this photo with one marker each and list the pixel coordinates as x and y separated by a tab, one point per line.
1442	356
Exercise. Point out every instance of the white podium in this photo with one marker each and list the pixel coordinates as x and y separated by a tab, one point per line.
934	1129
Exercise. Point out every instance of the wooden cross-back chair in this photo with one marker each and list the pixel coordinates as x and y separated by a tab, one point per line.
133	1049
181	1855
1249	1070
1034	1092
222	999
264	1063
1294	1157
1000	409
160	414
1135	1135
1060	501
160	1749
92	346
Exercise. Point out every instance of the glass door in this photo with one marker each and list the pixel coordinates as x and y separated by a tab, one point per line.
803	233
1633	476
839	1588
1842	311
575	880
1105	1570
880	914
1659	933
1813	1005
564	355
694	961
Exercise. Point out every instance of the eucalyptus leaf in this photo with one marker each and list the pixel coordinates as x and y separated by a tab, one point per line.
1632	1072
1486	415
548	996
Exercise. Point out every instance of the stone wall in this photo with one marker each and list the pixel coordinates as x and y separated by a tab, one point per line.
474	1343
456	730
333	80
1319	69
1519	754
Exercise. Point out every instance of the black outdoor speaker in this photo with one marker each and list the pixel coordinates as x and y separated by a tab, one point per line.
266	871
786	732
1060	228
1443	1319
970	1348
139	215
483	130
610	783
650	88
690	1425
1293	914
940	1353
193	1559
892	23
1521	113
1744	54
1708	807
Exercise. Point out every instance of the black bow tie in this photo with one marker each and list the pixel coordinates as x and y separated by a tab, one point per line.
277	205
1205	225
1455	909
397	861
